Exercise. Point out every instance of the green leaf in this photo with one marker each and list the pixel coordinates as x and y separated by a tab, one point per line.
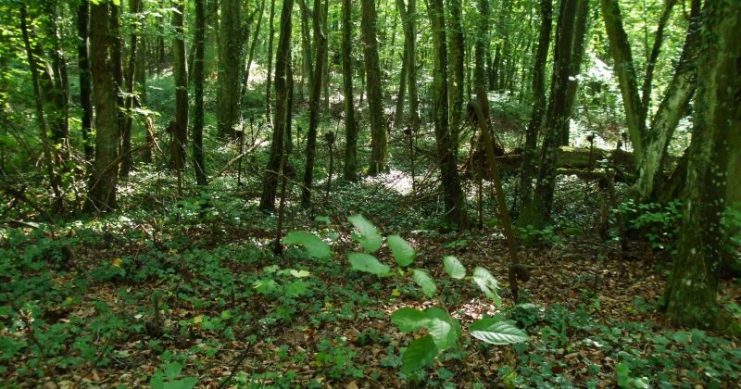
487	283
454	267
420	353
368	264
157	381
401	249
300	273
315	247
409	319
496	331
444	329
425	282
367	234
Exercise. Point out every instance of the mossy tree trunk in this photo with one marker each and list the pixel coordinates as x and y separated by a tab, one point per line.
692	287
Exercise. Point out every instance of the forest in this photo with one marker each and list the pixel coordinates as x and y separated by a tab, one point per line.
370	193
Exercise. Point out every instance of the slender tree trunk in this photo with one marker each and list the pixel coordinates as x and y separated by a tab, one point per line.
126	157
58	92
320	40
556	119
577	46
282	108
410	45
399	110
54	181
457	56
251	54
453	194
653	57
539	104
83	60
307	72
373	87
625	71
180	129
198	83
693	285
351	128
230	67
671	110
268	79
102	192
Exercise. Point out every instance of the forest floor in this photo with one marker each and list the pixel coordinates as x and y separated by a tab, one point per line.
176	292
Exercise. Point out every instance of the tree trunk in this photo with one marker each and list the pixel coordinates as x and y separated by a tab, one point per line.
102	192
653	57
250	55
693	284
228	101
198	86
453	195
670	112
577	47
539	213
307	57
373	87
126	157
351	127
268	87
457	55
320	40
57	94
626	74
277	147
83	60
54	180
539	104
180	73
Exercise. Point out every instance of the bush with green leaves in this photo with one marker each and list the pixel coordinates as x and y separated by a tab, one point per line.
442	330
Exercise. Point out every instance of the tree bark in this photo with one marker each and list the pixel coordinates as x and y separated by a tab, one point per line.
282	109
693	284
126	157
626	74
378	163
268	87
539	213
580	31
54	180
457	56
102	191
453	195
228	98
320	40
180	73
198	86
670	112
83	60
539	104
351	127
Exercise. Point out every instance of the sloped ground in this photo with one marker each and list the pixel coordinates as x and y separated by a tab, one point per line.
190	292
